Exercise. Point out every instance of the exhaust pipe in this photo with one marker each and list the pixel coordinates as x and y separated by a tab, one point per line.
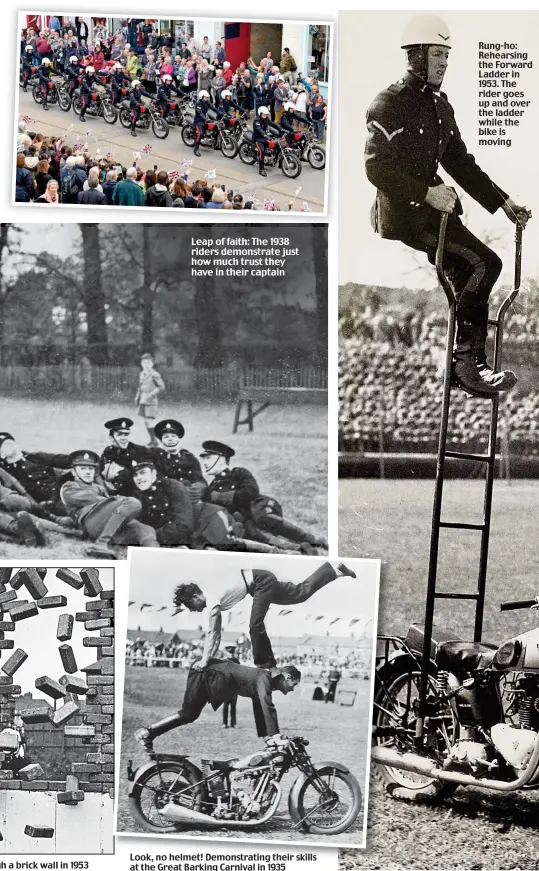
179	814
404	761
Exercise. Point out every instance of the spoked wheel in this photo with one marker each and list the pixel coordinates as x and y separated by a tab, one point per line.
110	113
161	784
395	711
76	104
329	801
317	157
246	154
290	165
189	135
125	117
160	128
36	94
64	101
229	146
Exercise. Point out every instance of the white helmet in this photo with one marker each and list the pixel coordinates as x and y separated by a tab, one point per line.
288	105
117	66
202	94
29	48
73	59
226	93
263	110
135	83
45	61
167	77
90	69
426	29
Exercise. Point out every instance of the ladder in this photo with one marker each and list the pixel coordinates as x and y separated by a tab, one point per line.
488	458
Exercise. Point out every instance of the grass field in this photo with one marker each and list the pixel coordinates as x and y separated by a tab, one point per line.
287	452
475	829
335	732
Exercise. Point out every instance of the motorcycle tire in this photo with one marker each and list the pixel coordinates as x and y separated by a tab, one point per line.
76	105
160	128
125	117
188	135
37	95
317	157
110	113
246	155
167	775
64	101
229	147
403	684
327	823
290	165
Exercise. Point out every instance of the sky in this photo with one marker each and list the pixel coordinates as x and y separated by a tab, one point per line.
155	573
369	60
37	635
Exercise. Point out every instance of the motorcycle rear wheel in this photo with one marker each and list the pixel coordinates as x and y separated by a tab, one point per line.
125	117
36	94
229	146
394	704
331	813
76	105
157	787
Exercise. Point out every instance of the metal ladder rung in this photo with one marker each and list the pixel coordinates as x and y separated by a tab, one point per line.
461	455
452	525
493	322
456	595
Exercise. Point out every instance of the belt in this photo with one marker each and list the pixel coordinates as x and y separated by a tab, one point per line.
248	586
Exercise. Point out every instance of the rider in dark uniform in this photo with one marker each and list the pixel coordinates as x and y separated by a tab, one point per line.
202	108
44	77
166	505
117	458
135	103
87	88
171	461
27	60
261	131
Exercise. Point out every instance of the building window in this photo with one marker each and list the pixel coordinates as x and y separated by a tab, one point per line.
318	59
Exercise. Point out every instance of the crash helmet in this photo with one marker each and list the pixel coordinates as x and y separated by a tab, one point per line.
426	29
288	105
135	83
73	59
226	93
90	69
167	77
202	94
263	110
45	62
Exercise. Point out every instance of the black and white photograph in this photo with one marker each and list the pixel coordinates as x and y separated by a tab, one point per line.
57	710
160	112
438	411
149	402
247	697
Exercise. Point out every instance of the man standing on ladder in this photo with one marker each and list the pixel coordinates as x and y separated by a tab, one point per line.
411	130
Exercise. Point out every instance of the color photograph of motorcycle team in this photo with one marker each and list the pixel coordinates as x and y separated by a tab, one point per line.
456	722
237	683
162	113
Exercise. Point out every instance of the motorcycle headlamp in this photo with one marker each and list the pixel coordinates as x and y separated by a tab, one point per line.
507	655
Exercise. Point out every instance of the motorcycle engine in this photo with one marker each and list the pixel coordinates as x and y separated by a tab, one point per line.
527	694
242	785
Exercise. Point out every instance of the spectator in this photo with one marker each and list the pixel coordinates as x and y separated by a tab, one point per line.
24	183
92	196
319	113
51	194
110	185
127	191
42	177
288	67
158	194
217	199
73	179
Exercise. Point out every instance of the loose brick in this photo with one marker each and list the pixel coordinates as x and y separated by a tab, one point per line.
92	693
8	596
65	713
100	680
74	685
51	687
101	623
5	575
10	690
107	594
70	578
107	651
100	605
32	772
93	668
21	612
8	606
6	775
16	580
84	768
39	831
92	584
14	662
37	715
64	630
72	782
5	679
72	796
52	602
80	732
7	645
107	612
107	633
102	719
33	583
35	785
95	642
8	741
6	626
68	658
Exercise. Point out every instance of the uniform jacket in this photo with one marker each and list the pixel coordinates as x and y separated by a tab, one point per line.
167	508
412	130
181	466
123	482
235	489
39	480
78	497
224	680
88	85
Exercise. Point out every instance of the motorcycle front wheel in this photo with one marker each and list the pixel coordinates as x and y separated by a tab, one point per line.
36	94
64	101
160	785
76	105
317	157
395	707
229	146
290	165
246	154
329	801
189	135
160	128
125	117
110	113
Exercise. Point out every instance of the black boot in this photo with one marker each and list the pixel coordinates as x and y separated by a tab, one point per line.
503	380
133	131
196	151
45	107
465	371
263	172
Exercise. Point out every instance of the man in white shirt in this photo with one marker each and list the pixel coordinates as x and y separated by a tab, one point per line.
265	590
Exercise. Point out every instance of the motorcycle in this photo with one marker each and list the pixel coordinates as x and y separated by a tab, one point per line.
31	80
176	112
169	792
215	136
482	722
99	106
306	149
277	154
150	116
58	93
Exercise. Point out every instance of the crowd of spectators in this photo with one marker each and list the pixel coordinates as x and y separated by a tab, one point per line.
391	377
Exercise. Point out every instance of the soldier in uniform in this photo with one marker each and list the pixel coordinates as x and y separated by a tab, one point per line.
107	520
35	472
166	505
117	458
411	130
237	490
171	460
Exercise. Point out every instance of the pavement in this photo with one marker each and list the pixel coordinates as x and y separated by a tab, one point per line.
167	153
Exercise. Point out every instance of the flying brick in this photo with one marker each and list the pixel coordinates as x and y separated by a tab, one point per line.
14	662
51	687
70	578
92	584
68	658
64	629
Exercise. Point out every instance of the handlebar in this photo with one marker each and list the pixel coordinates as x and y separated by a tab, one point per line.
520	603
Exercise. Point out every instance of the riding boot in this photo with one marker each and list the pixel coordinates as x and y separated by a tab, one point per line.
465	370
133	129
262	171
196	151
503	380
45	107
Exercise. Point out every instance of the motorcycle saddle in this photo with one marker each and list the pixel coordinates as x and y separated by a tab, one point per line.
248	136
449	651
223	765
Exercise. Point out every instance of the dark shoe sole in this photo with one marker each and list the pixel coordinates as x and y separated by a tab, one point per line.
347	572
28	530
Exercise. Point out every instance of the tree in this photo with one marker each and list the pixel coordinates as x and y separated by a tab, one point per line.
6	286
320	258
94	295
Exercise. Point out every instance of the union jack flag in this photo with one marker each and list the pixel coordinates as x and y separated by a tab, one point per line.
109	156
173	173
269	205
147	149
27	119
186	162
